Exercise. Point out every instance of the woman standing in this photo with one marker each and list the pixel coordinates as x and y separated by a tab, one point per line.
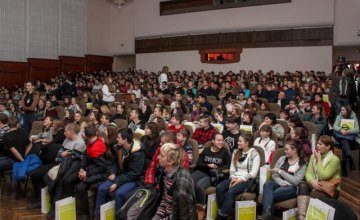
108	91
244	167
289	170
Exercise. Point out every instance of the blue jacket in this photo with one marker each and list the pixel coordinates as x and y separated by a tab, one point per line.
21	169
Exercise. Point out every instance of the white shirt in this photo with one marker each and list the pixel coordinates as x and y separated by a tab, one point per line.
107	96
163	78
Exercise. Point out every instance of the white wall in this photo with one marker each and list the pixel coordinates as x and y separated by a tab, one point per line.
347	22
41	29
298	13
122	63
109	29
277	59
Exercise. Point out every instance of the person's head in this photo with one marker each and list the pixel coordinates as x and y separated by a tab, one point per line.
284	114
135	114
120	108
70	130
295	121
48	122
281	95
3	119
170	156
218	141
90	131
57	125
236	110
345	111
73	100
125	137
202	98
177	118
293	103
183	135
299	133
293	149
168	136
196	107
270	119
29	86
158	111
247	117
264	106
151	130
178	97
13	122
325	144
93	116
2	106
244	144
290	84
204	121
316	109
77	116
318	97
241	95
218	115
105	119
111	132
232	123
48	104
160	123
265	131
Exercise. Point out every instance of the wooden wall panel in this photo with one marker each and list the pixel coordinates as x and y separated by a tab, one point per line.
321	36
72	64
12	73
98	63
43	69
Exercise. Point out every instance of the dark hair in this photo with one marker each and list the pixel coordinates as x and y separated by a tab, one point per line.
318	106
90	131
271	116
138	112
348	110
202	96
178	116
266	128
126	133
13	122
247	138
298	147
4	118
296	120
112	131
232	120
154	129
185	132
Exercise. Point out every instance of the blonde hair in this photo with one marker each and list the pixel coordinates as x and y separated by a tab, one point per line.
174	153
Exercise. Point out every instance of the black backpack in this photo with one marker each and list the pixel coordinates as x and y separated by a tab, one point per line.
141	206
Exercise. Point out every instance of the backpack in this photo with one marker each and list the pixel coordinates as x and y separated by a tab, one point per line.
142	205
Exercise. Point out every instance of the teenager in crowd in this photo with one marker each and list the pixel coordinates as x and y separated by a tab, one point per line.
231	134
245	164
265	142
212	160
205	131
289	170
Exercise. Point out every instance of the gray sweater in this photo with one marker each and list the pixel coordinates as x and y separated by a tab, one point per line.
290	179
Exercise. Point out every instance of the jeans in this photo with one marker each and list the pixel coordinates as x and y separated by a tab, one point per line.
202	182
345	146
29	118
6	163
273	192
121	195
225	195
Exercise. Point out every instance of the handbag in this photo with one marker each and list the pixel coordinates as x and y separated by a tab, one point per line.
330	186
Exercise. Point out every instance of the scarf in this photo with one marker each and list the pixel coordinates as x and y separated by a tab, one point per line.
324	161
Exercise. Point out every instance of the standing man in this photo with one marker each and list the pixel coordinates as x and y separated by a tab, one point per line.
30	100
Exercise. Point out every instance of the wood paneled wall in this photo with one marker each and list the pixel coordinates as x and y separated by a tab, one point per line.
98	63
72	64
186	6
43	69
12	73
322	36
